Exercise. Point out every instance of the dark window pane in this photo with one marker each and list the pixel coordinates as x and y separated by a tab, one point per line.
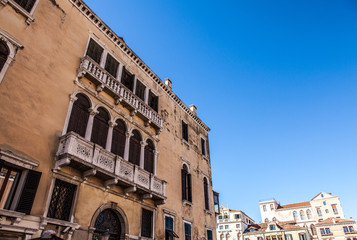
9	179
149	157
203	146
127	79
94	51
134	148
187	231
184	131
107	222
29	192
209	235
111	65
79	116
26	4
119	137
100	127
4	53
205	188
61	200
146	223
140	90
153	101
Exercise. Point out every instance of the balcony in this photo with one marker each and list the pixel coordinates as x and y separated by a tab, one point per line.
351	232
326	234
91	159
117	90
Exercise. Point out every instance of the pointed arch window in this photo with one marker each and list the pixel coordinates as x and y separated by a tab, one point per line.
295	215
135	148
118	142
206	195
186	183
149	155
100	127
79	115
308	213
302	215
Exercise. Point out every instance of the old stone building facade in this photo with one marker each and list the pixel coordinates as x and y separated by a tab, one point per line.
93	144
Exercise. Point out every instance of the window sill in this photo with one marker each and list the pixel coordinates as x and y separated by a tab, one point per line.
45	221
205	157
184	142
188	203
208	212
17	216
19	9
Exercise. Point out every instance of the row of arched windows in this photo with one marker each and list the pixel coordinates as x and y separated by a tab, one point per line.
302	215
95	126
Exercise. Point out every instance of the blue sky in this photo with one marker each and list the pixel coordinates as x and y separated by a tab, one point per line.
276	81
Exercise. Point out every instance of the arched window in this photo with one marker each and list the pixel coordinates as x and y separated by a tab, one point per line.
313	229
100	127
206	195
79	115
107	222
266	220
308	213
4	53
118	142
186	184
295	215
302	215
149	156
134	148
274	218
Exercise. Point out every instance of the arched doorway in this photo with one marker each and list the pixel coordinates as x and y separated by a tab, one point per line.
110	221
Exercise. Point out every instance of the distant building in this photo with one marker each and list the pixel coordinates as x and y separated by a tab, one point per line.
232	223
336	229
276	230
322	206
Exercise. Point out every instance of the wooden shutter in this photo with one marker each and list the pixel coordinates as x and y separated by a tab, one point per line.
205	188
119	138
26	4
28	192
111	65
184	131
127	79
4	53
100	128
203	147
209	235
140	90
187	231
153	101
149	157
135	148
189	187
183	184
94	51
146	223
79	116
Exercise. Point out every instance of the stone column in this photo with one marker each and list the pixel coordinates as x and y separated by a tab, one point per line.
72	99
146	96
155	160
108	146
92	113
127	143
143	144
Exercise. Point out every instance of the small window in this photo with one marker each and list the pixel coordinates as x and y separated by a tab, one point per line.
295	215
135	148
146	223
140	90
100	127
237	225
271	207
209	235
203	147
220	217
264	208
127	79
111	65
289	237
334	209
94	51
79	115
153	101
308	213
26	4
226	226
351	228
266	220
322	195
184	131
62	200
274	218
327	211
272	227
149	156
302	236
345	229
206	195
169	228
252	230
221	227
319	213
327	230
325	203
237	216
302	215
187	231
186	184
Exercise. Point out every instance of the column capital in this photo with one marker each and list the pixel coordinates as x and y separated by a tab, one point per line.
92	111
112	124
128	134
143	144
72	98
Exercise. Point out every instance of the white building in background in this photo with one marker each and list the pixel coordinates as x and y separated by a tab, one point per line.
232	223
322	206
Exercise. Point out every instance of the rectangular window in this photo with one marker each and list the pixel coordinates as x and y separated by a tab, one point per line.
184	131
62	200
169	228
351	228
272	227
146	223
220	217
237	225
345	229
153	101
127	79
334	209
237	216
94	51
209	235
187	231
26	4
327	230
203	147
140	90
17	188
319	212
326	210
289	237
221	227
111	65
264	208
226	226
302	236
322	231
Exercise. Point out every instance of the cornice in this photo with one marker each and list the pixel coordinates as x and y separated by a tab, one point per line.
120	43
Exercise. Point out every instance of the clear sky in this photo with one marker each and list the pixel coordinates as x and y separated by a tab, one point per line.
276	81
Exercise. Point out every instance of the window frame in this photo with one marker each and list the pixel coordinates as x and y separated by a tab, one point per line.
152	230
184	131
28	15
184	229
173	226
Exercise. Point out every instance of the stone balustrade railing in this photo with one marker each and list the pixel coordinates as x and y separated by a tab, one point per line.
74	145
124	94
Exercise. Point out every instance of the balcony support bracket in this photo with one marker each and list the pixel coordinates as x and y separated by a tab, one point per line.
110	182
89	173
62	162
129	190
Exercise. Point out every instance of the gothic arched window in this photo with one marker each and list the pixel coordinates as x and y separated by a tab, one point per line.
149	155
79	115
106	223
100	127
118	142
135	148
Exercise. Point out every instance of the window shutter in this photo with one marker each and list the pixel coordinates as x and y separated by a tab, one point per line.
189	186
29	192
183	184
111	65
149	158
4	53
209	235
100	128
26	4
146	223
118	142
205	189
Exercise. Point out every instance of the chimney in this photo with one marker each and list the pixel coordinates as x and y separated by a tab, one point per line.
168	82
193	109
